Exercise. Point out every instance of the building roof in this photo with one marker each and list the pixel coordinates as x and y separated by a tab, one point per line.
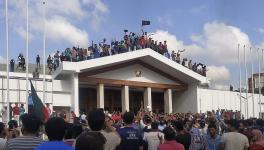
147	56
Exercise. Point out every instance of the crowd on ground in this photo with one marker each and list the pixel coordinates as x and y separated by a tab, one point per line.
99	130
129	42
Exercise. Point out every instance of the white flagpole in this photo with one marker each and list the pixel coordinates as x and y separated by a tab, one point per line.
259	89
7	64
27	63
44	51
261	101
240	96
245	61
252	82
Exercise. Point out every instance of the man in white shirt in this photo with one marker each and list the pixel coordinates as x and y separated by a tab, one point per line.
234	140
154	137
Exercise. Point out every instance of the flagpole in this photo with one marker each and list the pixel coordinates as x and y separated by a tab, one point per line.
44	52
240	96
262	85
245	61
27	63
252	82
7	64
259	90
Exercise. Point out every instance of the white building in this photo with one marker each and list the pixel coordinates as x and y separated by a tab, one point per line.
127	81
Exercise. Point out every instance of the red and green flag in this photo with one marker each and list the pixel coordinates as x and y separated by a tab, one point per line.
39	109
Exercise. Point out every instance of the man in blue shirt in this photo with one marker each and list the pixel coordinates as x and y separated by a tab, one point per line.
212	139
131	139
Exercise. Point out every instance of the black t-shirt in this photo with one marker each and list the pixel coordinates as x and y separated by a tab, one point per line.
184	139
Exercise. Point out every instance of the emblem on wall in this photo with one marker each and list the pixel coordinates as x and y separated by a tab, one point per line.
138	73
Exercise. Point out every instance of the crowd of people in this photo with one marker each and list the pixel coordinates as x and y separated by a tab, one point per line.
99	130
129	42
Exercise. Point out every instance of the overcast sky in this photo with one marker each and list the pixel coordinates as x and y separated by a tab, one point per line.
209	30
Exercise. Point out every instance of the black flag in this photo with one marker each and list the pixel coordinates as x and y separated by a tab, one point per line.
145	22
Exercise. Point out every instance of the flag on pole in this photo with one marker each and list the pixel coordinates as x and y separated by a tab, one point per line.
145	22
38	107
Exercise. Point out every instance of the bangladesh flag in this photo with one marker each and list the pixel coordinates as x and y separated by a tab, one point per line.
38	109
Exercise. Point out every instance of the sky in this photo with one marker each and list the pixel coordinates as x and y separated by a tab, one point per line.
209	30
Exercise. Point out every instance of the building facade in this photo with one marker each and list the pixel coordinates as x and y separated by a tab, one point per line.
141	79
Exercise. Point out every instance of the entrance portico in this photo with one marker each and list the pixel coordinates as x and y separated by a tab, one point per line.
125	86
122	98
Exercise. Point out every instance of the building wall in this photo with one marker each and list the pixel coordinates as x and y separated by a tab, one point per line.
185	101
128	73
58	92
216	99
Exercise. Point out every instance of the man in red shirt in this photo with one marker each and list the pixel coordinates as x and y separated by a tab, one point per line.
48	108
142	42
16	112
170	142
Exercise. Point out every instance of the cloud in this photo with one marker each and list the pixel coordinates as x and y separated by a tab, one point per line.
219	42
2	60
174	44
60	29
98	11
165	20
22	33
70	8
260	30
63	19
218	73
97	4
198	9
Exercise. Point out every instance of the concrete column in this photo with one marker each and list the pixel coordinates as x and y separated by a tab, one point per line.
147	99
100	95
75	93
168	101
125	98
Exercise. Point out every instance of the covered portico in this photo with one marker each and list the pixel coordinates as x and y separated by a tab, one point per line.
143	70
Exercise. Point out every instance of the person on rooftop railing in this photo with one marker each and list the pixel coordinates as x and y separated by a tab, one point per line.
57	58
194	67
35	74
100	49
190	64
152	45
173	55
148	42
68	54
160	48
12	65
96	51
204	70
142	42
49	60
38	61
62	57
132	38
178	59
184	62
74	54
21	62
155	46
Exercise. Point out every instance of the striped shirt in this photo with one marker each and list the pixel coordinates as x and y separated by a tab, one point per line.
23	143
